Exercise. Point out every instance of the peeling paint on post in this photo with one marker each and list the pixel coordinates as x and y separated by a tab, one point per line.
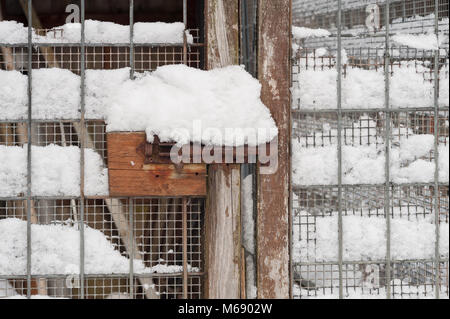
273	276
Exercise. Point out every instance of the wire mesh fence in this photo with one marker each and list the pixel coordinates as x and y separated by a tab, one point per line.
99	287
352	122
363	23
119	248
156	245
145	57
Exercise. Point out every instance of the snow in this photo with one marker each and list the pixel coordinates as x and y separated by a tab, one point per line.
418	41
13	97
55	250
319	166
302	33
365	164
13	32
100	88
55	171
365	239
220	99
400	290
12	171
364	89
217	100
56	94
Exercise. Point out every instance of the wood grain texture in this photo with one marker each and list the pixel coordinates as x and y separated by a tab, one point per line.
273	276
222	220
223	235
128	176
222	20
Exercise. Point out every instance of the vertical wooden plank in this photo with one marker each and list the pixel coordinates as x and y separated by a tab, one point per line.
273	190
222	33
222	221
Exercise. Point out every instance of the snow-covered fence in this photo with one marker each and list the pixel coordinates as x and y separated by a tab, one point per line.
370	150
157	228
58	239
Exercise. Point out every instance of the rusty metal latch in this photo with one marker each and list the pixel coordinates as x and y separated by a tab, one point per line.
157	152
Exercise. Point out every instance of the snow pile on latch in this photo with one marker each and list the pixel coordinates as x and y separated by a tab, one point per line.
365	239
55	171
13	32
365	164
225	104
56	250
303	33
364	89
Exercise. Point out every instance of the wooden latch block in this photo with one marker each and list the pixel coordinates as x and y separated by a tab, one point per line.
138	168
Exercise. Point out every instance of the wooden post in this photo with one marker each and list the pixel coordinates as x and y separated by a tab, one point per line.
223	232
222	222
273	263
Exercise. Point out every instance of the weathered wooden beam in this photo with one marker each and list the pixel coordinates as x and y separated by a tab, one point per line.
222	221
223	235
273	278
222	23
47	52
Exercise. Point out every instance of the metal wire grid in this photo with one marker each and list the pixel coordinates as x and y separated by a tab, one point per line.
62	133
99	287
323	13
146	58
158	228
407	201
91	134
157	240
410	278
406	16
311	58
317	128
